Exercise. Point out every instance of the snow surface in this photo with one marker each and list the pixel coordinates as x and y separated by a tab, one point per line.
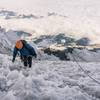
84	55
48	80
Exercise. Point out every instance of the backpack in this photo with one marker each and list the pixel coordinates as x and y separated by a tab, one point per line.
32	51
24	42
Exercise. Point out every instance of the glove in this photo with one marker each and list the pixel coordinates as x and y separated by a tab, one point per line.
13	59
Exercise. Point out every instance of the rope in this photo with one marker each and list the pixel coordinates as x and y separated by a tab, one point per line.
80	57
85	71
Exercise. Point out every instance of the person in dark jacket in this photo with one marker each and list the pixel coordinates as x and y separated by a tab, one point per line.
26	52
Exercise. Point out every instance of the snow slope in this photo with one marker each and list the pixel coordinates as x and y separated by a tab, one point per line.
84	55
48	80
5	44
7	40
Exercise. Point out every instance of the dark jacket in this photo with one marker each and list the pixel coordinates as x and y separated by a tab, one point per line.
27	50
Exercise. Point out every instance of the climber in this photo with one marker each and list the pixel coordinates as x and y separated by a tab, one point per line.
26	52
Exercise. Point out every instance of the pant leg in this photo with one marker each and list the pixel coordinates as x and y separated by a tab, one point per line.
25	60
30	61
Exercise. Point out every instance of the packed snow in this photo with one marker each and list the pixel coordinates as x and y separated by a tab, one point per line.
48	80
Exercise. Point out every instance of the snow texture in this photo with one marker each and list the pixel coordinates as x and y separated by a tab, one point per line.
48	80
